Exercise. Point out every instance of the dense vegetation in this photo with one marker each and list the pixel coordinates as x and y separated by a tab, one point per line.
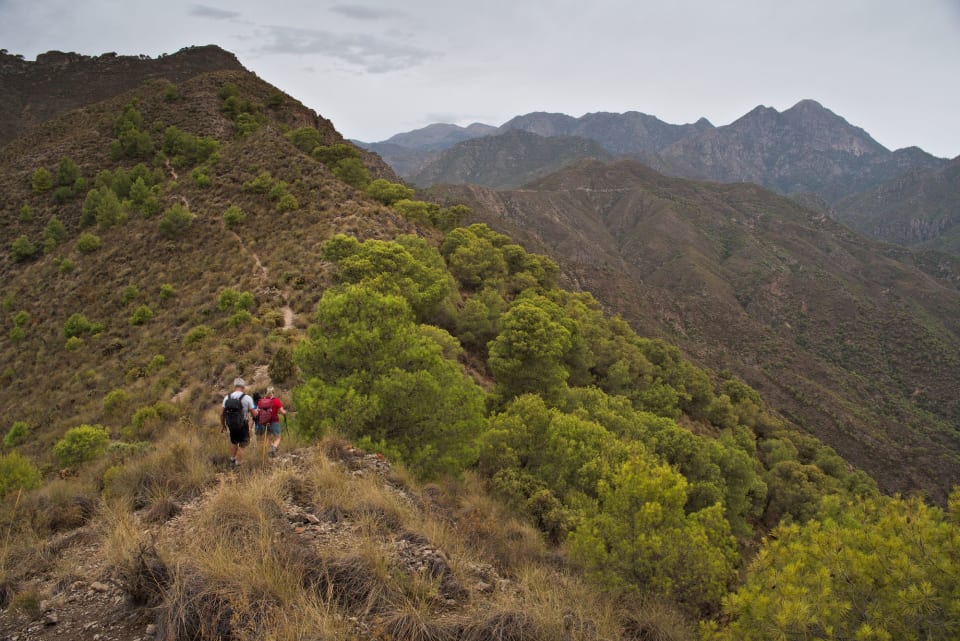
453	352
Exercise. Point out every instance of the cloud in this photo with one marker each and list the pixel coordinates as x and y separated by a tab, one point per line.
372	54
362	12
204	11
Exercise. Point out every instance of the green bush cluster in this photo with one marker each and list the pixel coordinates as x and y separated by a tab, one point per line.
345	161
81	444
187	150
88	243
586	429
233	217
22	249
175	221
78	325
17	472
131	140
17	434
246	116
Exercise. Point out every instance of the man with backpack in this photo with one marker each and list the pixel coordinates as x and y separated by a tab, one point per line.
268	418
236	416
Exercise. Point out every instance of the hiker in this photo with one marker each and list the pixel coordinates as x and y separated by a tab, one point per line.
236	415
268	418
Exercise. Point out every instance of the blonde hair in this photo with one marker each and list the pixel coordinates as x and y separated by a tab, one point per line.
269	391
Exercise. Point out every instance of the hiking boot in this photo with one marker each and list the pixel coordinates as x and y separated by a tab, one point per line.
273	451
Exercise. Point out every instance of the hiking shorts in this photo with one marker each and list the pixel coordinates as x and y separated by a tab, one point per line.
274	428
240	437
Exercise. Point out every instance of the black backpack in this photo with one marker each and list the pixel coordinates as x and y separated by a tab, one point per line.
233	413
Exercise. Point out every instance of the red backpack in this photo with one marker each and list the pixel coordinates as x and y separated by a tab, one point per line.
268	412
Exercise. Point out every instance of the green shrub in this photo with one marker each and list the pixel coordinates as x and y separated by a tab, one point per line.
242	317
259	185
282	368
197	334
305	138
141	315
288	202
16	472
88	243
63	194
143	424
41	181
17	333
175	221
67	172
156	363
233	217
53	234
16	434
229	89
279	190
388	192
73	343
129	293
114	401
22	249
66	266
200	177
245	300
351	171
246	124
81	444
227	299
78	325
187	150
26	214
332	154
167	291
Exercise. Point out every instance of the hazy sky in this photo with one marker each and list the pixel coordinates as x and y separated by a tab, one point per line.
377	68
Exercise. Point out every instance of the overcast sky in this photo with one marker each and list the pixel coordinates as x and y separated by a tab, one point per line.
377	68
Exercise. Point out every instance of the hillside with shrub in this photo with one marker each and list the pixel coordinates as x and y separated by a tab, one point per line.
849	338
473	453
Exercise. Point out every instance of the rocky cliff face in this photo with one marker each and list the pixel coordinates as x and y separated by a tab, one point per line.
807	148
33	92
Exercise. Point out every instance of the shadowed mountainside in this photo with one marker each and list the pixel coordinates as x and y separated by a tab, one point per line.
506	160
920	208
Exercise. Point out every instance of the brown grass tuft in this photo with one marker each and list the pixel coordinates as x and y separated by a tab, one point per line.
657	621
146	578
503	625
412	624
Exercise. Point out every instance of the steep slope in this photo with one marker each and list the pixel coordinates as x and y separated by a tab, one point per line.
920	207
506	160
178	276
860	349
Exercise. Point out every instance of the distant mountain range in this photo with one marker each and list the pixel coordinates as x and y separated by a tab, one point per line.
806	152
